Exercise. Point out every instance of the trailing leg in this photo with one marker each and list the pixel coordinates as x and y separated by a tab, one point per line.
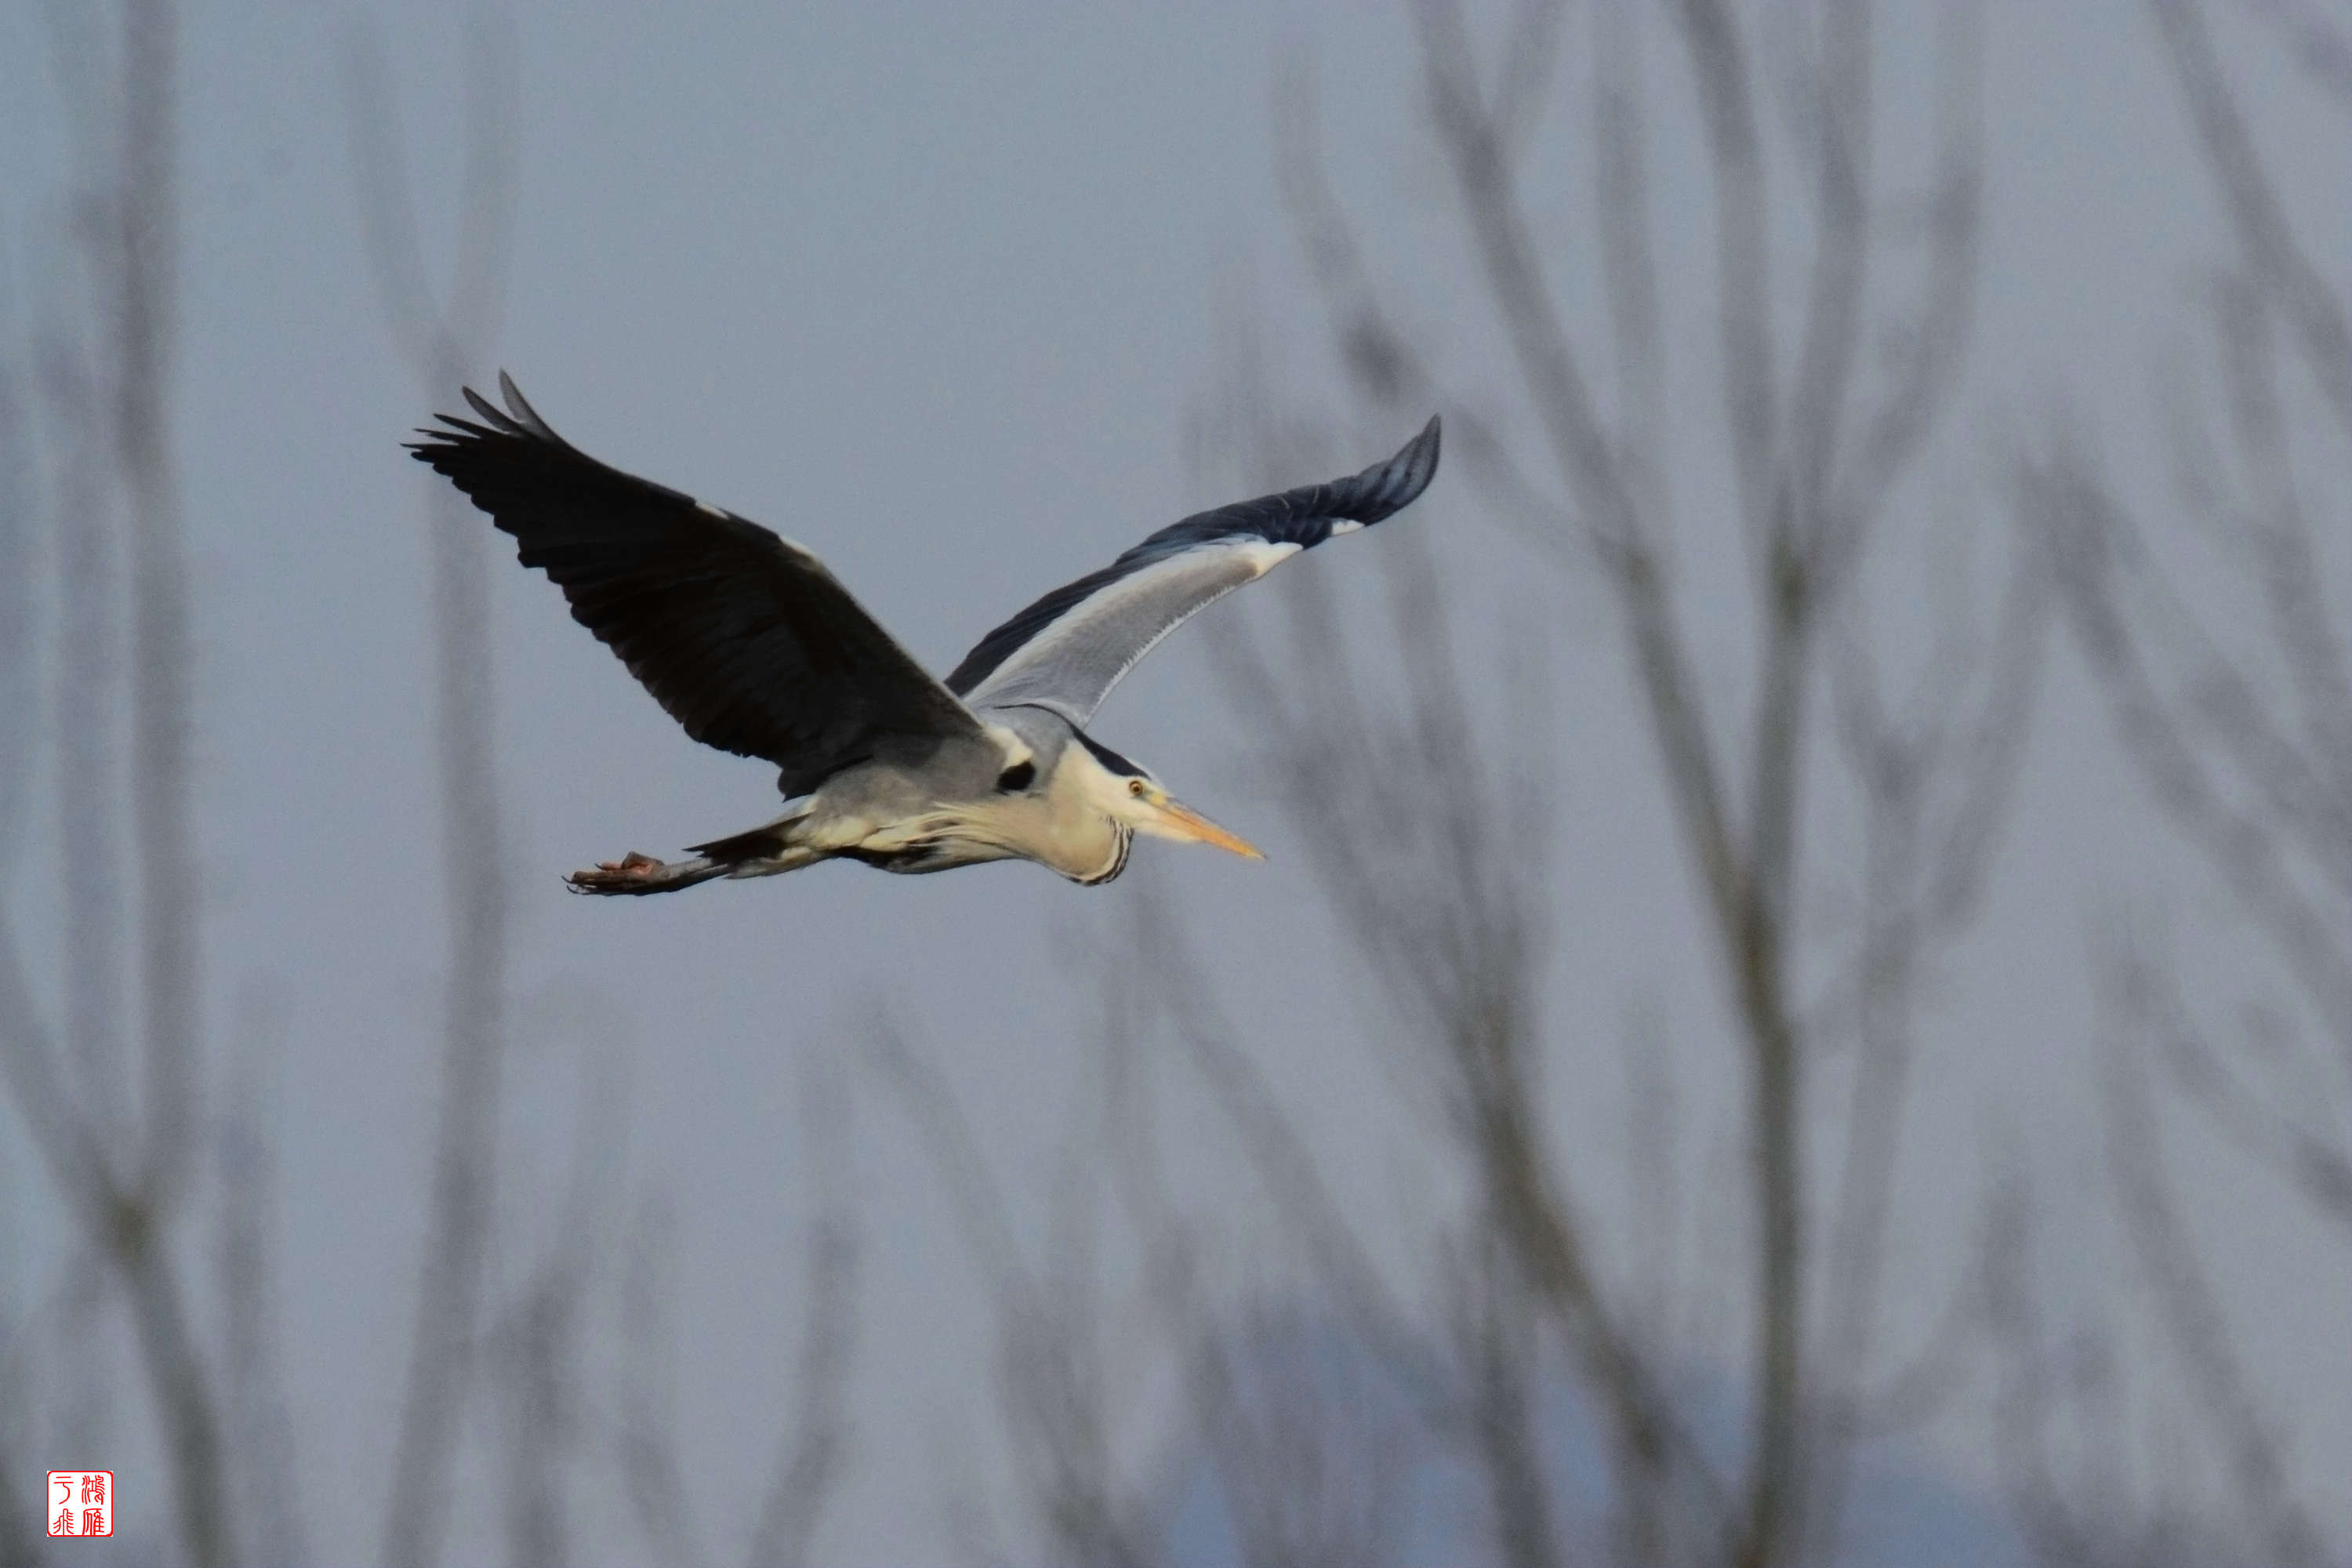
635	873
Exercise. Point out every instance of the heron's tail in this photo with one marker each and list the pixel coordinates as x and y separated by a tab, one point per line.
765	851
763	843
793	858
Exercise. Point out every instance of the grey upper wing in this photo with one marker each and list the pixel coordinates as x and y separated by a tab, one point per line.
744	637
1069	648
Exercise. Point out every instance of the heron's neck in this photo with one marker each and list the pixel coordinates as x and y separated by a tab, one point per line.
1081	809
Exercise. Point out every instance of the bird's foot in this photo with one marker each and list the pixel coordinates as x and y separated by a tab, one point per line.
637	873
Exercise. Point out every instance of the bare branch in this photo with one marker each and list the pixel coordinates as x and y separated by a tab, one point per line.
1930	347
125	123
19	563
646	1444
2065	504
1629	262
1310	1451
1653	1165
20	1529
1932	787
2299	1155
1446	919
1381	359
1815	463
1989	752
2286	556
2026	1398
87	714
268	1470
387	210
1049	1351
983	1217
2297	288
477	296
2250	758
437	340
1742	248
1584	453
1286	1170
1546	358
162	773
2183	1296
1824	366
1308	1447
2322	48
29	1058
188	1413
1378	354
1503	1357
1920	1389
1893	778
532	1348
2301	1158
810	1456
1523	78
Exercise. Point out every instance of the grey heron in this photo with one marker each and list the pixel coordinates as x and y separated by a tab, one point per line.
753	646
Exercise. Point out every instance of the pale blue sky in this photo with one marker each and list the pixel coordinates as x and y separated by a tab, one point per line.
934	290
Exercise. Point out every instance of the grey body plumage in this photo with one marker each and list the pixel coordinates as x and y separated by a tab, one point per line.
751	644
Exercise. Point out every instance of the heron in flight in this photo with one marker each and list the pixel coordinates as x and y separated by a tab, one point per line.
750	643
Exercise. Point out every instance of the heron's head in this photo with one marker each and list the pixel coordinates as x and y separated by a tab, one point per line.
1127	793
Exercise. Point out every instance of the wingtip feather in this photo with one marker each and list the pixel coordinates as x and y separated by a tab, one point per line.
1393	485
498	420
1423	451
524	414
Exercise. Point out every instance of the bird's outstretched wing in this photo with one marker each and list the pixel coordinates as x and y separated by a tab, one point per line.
1069	648
744	637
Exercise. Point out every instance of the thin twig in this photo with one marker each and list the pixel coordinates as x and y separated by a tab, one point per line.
2296	287
437	338
2183	1293
810	1454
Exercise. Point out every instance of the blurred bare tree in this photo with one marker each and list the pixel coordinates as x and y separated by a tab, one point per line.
119	705
96	729
532	1346
440	334
1055	1366
2232	694
1421	805
1418	789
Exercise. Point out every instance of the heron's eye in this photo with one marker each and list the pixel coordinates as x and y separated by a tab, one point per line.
1134	786
1019	776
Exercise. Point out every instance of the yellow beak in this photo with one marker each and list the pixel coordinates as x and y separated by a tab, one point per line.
1183	822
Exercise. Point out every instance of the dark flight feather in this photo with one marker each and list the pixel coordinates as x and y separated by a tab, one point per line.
742	637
